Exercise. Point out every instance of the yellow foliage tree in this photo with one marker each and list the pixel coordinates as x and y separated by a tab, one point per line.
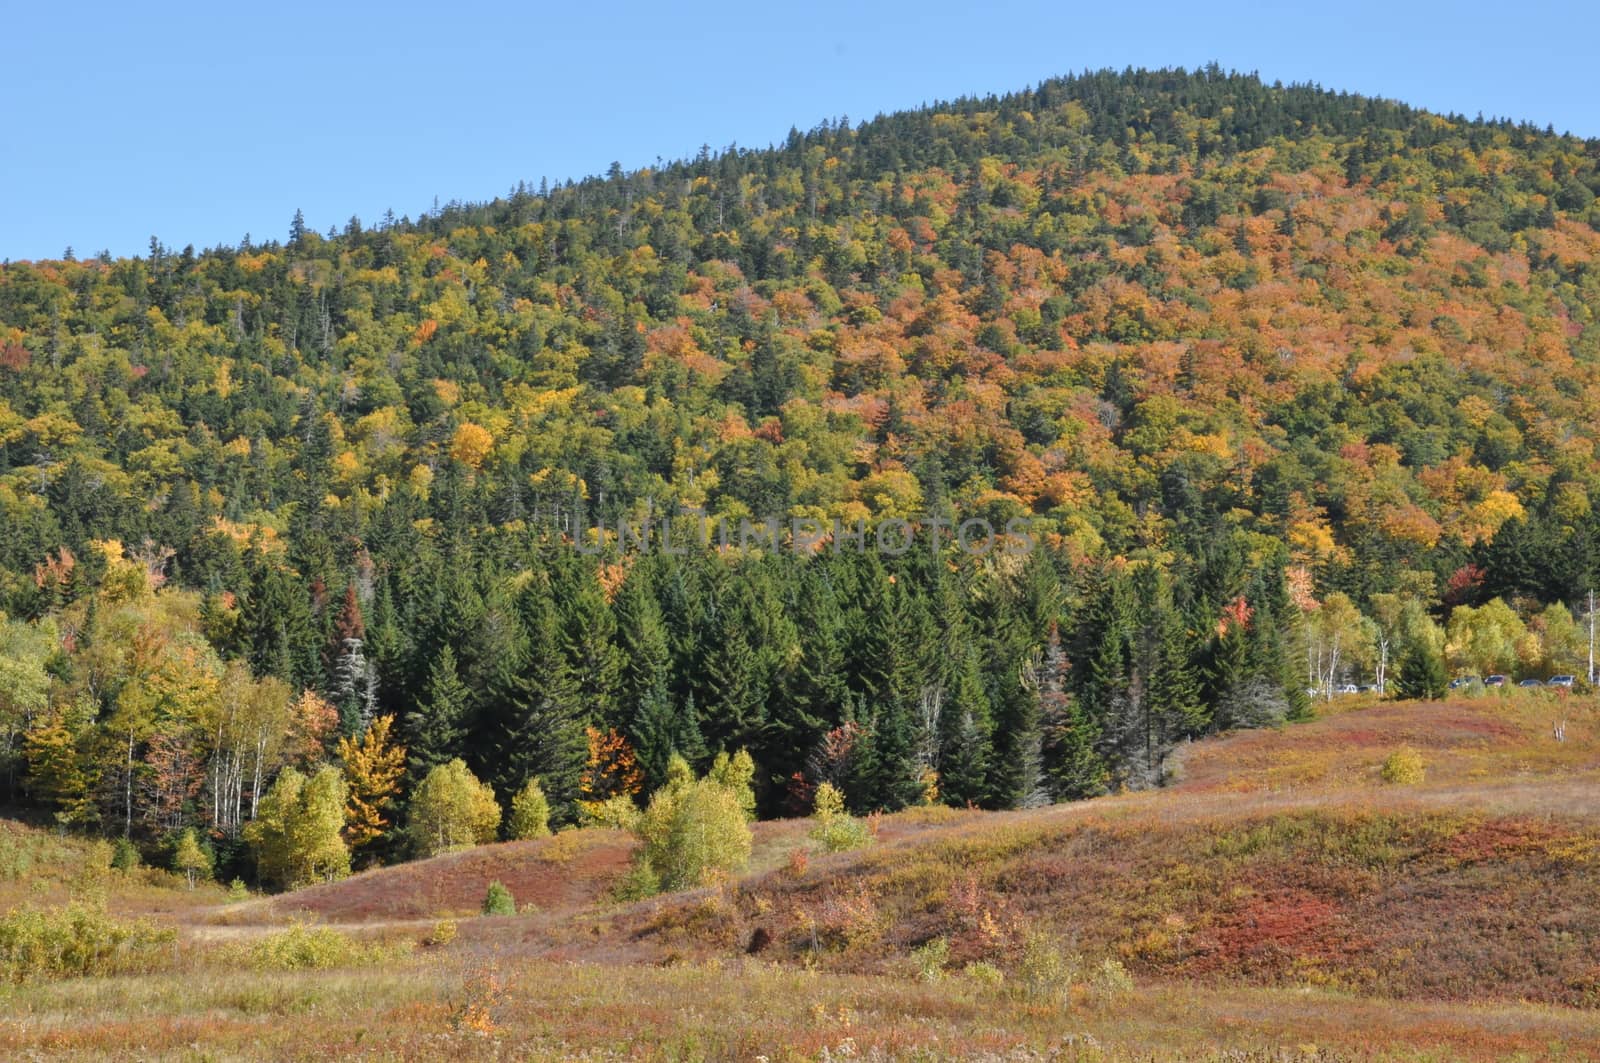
471	444
372	769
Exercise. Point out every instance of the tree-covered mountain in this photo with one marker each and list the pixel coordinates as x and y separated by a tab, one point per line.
1280	379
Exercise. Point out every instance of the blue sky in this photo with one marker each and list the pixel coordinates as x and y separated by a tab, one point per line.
201	122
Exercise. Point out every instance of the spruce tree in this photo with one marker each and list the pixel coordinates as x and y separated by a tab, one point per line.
436	729
537	727
1072	765
966	738
812	689
734	712
589	631
643	641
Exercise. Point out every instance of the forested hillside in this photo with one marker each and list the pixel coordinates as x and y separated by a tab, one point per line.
1291	387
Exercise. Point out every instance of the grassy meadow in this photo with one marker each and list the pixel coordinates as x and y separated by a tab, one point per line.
1285	898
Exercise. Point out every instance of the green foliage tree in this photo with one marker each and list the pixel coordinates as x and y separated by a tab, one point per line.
498	900
1422	672
297	833
437	728
530	813
451	809
1485	640
695	828
189	858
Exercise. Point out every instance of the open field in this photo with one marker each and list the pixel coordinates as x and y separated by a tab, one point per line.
1278	901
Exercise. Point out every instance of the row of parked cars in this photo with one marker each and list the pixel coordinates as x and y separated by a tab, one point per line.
1566	681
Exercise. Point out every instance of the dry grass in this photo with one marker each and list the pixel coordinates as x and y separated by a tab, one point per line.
486	1006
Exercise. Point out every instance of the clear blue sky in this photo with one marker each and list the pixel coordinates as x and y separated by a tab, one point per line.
201	122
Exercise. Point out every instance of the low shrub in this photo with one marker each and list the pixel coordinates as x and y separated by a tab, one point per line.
498	901
124	855
1111	979
1403	767
986	975
443	932
1046	973
313	948
931	958
71	942
640	882
836	829
797	863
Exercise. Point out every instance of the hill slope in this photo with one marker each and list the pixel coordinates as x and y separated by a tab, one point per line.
1265	380
1280	899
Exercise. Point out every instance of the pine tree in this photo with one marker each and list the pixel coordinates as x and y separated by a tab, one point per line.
733	713
589	637
812	690
890	629
654	734
643	641
281	631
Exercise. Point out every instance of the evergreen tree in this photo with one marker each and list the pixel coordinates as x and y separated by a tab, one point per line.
436	729
589	640
812	690
1072	763
734	712
538	724
282	635
644	644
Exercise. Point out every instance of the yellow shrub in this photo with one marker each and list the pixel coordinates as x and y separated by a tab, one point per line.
1403	767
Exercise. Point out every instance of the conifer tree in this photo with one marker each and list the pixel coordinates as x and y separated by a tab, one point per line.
733	713
588	629
643	642
1072	763
537	727
436	729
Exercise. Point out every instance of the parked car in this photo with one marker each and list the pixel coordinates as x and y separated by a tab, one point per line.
1462	681
1495	681
1530	683
1562	680
1347	688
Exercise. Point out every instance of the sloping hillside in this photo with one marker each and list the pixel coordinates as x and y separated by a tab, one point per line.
1262	378
1279	894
